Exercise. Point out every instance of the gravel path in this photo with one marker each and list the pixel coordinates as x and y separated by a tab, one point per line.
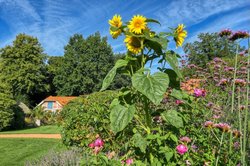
55	136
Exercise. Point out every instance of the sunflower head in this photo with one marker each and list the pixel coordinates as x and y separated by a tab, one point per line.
116	21
115	34
180	35
137	24
133	44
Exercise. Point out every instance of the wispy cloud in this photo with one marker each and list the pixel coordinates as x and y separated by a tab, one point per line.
54	21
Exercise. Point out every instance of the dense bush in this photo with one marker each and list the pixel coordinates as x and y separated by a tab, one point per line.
85	117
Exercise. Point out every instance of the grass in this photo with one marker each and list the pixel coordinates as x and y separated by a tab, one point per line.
17	151
52	129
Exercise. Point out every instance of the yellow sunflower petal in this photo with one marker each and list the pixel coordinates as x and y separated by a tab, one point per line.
137	24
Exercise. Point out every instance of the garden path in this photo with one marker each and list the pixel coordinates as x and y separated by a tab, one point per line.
55	136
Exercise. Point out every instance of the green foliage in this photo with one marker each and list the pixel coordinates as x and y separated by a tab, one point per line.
172	118
85	117
85	64
6	106
120	115
152	86
53	67
22	67
209	46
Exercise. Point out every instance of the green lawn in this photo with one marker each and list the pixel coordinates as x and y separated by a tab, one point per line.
16	151
52	129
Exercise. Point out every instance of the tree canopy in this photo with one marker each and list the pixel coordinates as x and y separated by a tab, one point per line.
85	64
209	46
22	67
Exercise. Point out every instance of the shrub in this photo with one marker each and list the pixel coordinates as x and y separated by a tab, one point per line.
85	117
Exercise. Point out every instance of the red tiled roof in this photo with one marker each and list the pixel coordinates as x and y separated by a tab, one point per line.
62	100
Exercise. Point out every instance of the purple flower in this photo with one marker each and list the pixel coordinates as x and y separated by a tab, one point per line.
225	32
223	81
239	35
181	149
223	126
226	68
192	66
209	124
210	104
199	93
236	145
216	59
194	148
240	82
185	139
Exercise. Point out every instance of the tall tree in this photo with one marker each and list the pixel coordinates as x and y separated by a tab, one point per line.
53	66
22	66
85	64
6	105
209	46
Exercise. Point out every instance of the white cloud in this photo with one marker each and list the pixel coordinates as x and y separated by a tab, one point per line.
194	11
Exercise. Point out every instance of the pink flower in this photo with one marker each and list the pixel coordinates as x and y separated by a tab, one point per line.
97	149
178	102
209	124
185	139
91	145
199	93
223	126
129	161
181	149
99	142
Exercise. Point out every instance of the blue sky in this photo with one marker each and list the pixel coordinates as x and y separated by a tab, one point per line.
54	21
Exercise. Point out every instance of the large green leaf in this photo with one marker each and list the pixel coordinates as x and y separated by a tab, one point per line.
172	60
120	115
152	86
111	74
140	142
172	118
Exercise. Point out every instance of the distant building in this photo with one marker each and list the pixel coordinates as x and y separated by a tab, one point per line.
55	103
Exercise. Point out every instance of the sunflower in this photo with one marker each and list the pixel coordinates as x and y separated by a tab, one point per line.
180	34
115	34
133	44
137	24
116	22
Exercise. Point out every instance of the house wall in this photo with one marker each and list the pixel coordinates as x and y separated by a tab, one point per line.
56	106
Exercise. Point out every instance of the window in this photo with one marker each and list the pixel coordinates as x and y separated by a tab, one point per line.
50	105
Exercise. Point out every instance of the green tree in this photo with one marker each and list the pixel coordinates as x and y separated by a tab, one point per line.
85	64
53	65
209	46
6	106
22	66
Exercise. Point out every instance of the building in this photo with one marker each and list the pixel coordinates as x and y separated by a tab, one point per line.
55	103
